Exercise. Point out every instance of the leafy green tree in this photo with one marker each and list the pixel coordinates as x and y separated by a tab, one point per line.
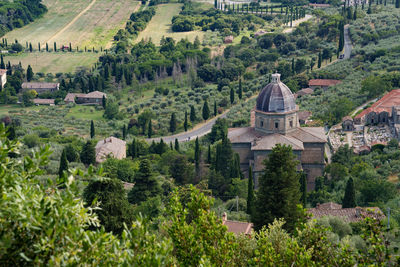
374	86
219	130
88	153
72	155
146	185
63	163
349	200
92	130
180	169
115	209
206	111
250	193
303	188
112	110
29	73
223	158
278	193
185	123
192	114
172	123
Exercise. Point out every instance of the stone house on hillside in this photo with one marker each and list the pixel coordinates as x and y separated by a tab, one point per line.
41	88
322	83
277	122
3	77
347	214
92	98
110	147
348	123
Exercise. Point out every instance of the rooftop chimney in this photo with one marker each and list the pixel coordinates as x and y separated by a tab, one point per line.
224	217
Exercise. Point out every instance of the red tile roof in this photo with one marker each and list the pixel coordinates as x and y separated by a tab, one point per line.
323	82
384	104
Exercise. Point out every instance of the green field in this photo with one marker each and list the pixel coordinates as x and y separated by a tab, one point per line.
79	22
54	62
85	113
160	26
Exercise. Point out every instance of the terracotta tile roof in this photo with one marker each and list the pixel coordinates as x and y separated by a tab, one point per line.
70	97
2	72
347	214
95	94
305	91
237	227
34	85
270	141
384	104
323	82
309	134
243	135
304	115
110	146
39	101
347	118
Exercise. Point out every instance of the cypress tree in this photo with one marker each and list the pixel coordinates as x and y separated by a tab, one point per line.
397	4
215	3
240	93
30	47
172	123
235	168
149	130
349	200
319	59
104	102
88	153
223	158
215	108
192	114
11	135
197	153
63	163
92	130
124	132
47	47
232	95
209	154
293	71
185	123
176	144
146	185
303	188
250	193
2	65
29	73
206	111
39	47
170	146
55	47
278	194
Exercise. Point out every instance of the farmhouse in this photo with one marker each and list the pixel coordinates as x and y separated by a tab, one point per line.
41	88
322	83
3	77
347	214
110	147
277	122
303	92
39	101
92	98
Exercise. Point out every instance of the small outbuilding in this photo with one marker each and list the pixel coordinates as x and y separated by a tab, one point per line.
322	83
228	39
110	147
348	124
39	101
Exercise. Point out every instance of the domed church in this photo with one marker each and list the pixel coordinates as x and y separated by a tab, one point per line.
276	122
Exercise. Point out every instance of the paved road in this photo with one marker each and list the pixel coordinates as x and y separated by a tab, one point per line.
347	43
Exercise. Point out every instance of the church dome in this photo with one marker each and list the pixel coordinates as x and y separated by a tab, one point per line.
275	97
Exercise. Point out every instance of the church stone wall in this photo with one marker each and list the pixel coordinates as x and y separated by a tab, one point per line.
276	122
313	153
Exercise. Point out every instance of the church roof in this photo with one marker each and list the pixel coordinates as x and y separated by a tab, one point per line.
309	134
275	97
270	141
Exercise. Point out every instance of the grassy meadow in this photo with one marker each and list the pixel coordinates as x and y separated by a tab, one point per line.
54	62
160	26
80	22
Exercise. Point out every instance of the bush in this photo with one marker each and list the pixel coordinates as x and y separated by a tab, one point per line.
31	140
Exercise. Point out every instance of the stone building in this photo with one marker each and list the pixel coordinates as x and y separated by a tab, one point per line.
347	124
3	77
41	88
277	122
92	98
110	147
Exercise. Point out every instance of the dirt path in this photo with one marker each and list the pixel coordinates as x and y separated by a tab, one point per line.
71	22
296	23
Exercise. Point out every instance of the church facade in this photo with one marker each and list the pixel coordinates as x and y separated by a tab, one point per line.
276	122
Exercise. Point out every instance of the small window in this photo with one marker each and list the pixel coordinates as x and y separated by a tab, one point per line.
261	123
291	124
276	125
